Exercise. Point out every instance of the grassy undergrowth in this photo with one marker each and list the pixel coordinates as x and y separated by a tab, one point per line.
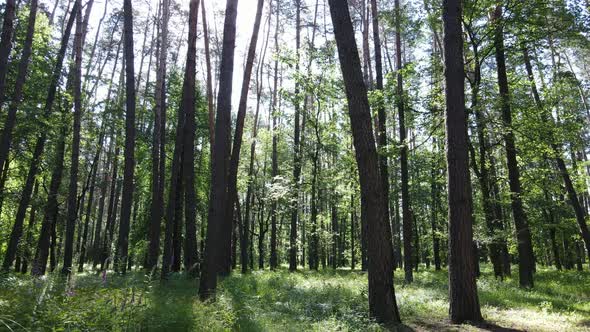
280	301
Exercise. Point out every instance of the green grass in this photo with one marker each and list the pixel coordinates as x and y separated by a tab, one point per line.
282	301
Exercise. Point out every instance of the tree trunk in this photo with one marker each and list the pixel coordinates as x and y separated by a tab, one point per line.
407	226
158	134
463	298
129	164
189	104
6	44
75	149
381	116
382	303
296	141
523	234
237	143
218	243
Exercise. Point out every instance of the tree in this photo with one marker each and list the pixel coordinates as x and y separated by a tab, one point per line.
158	135
218	242
237	144
6	44
73	185
129	164
526	265
296	144
189	105
463	299
382	303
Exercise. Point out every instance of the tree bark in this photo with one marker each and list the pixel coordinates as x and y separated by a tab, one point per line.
189	105
296	142
129	163
463	298
382	303
523	234
75	148
157	187
237	143
218	243
6	44
407	227
381	116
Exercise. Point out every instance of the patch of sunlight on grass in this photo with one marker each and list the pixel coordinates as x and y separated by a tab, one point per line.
326	300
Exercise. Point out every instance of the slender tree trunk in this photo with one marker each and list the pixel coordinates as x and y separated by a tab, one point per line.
210	106
463	298
218	243
157	187
75	149
189	104
382	303
381	116
523	234
129	164
6	44
406	213
296	141
237	143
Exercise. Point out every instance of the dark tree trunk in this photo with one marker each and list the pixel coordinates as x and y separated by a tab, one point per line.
382	303
463	298
17	229
237	143
129	164
381	116
20	79
75	149
218	243
157	187
525	248
296	141
407	226
189	100
6	44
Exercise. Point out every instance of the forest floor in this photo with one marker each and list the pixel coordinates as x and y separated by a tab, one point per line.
281	301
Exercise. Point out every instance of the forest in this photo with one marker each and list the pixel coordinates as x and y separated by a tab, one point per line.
296	165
